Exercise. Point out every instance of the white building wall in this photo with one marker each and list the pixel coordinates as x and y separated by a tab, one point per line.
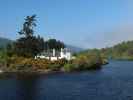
66	55
53	58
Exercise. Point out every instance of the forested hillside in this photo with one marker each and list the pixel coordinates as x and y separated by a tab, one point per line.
122	50
4	42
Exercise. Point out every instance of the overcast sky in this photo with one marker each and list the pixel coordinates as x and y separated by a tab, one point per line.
82	23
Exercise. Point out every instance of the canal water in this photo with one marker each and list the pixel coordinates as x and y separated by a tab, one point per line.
113	82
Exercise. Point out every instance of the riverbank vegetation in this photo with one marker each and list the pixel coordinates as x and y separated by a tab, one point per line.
19	55
82	62
121	51
85	61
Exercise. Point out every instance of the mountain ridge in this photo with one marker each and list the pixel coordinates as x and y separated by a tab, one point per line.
4	42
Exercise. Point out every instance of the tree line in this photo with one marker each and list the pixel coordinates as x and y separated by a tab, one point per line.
122	50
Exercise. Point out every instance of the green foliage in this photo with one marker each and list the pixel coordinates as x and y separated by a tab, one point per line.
26	64
57	65
4	42
53	44
123	50
29	45
28	26
3	57
84	61
69	67
88	61
54	67
16	63
10	50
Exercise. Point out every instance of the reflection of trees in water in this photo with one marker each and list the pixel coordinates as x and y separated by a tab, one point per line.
27	87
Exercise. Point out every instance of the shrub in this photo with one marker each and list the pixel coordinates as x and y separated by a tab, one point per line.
54	67
69	67
57	65
88	61
82	62
27	64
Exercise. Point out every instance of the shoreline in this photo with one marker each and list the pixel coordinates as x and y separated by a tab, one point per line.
44	72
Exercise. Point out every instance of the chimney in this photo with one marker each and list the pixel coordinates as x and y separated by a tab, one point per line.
54	52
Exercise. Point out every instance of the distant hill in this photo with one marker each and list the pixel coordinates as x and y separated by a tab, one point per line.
4	41
74	48
122	50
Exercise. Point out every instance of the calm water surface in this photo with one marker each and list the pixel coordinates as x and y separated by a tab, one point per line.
113	82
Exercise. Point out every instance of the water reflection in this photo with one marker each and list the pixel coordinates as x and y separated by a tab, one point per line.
15	86
27	87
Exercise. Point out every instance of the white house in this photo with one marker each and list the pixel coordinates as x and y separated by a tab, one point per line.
55	55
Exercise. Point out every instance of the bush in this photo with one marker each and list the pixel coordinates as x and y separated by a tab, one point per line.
69	67
54	67
84	62
30	64
27	64
57	65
